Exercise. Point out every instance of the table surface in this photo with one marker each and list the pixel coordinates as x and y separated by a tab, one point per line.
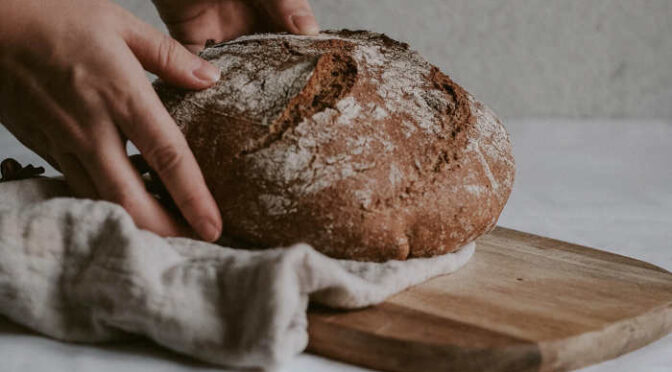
601	183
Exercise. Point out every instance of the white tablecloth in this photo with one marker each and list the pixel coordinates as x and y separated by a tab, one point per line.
605	184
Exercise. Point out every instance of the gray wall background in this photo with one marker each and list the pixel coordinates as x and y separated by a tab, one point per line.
528	58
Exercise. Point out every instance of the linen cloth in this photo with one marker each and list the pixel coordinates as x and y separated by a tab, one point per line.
80	270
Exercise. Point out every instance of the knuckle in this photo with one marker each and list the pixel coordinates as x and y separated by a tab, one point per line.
120	101
165	158
77	77
167	51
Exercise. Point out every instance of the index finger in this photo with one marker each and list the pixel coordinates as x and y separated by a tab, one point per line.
148	125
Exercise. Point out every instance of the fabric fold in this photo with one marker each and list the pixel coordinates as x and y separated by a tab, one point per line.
80	270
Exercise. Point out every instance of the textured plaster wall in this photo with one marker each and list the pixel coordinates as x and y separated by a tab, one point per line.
571	58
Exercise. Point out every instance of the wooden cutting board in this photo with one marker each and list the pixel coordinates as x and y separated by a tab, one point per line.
523	303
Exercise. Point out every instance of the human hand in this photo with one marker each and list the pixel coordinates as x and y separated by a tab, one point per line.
194	22
73	89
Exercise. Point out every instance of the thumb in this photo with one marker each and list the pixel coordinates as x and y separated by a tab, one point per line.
294	16
168	59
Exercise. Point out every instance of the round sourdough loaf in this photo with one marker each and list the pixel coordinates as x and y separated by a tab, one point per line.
348	141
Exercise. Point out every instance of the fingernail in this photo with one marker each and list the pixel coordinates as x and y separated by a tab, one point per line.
207	72
207	230
305	23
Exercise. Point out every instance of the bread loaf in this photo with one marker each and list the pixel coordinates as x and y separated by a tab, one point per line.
348	141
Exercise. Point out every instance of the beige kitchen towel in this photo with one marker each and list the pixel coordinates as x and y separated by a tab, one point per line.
80	270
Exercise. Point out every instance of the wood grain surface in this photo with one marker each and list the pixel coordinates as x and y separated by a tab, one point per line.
523	303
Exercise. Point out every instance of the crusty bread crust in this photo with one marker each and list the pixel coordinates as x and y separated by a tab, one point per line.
348	141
